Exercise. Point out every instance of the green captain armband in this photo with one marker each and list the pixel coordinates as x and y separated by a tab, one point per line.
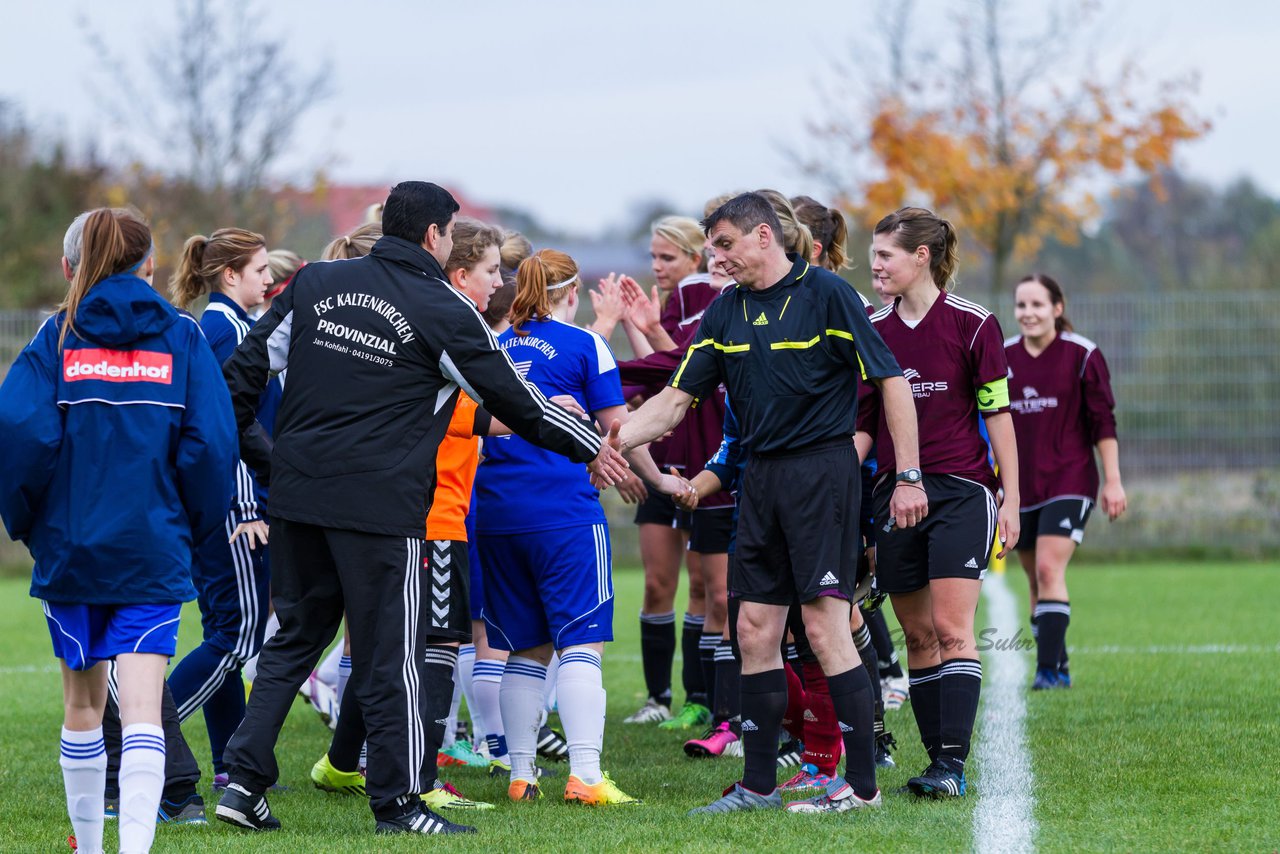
993	396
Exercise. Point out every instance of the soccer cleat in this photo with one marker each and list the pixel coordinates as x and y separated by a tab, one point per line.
896	690
1064	676
242	808
838	797
808	777
461	752
420	820
790	753
652	712
189	810
692	716
445	797
733	749
603	794
1047	679
523	790
330	779
715	743
884	743
551	745
944	778
738	799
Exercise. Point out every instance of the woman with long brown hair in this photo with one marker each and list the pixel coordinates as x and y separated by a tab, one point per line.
118	455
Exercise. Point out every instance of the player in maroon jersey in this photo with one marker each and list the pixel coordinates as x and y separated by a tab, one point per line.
952	355
1062	404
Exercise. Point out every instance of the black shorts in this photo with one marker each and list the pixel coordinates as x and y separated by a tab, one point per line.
448	613
1057	517
659	509
798	526
712	530
953	541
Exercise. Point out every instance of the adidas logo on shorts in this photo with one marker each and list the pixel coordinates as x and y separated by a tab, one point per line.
750	726
810	716
844	727
828	580
972	564
1065	524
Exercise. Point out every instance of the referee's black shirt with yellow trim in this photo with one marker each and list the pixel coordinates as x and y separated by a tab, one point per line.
790	357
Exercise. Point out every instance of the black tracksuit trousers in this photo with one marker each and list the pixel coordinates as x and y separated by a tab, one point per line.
316	574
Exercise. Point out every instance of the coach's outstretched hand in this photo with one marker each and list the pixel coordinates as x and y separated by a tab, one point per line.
609	467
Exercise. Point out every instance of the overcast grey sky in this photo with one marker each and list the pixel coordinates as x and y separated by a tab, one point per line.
576	110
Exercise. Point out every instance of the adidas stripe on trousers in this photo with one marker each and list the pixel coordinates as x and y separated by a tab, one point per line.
379	580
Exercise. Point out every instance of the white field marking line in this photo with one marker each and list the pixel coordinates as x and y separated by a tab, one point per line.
1003	820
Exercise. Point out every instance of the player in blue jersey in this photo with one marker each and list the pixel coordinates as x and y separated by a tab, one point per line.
544	543
229	569
118	454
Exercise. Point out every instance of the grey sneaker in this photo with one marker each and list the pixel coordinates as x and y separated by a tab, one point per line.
736	799
838	797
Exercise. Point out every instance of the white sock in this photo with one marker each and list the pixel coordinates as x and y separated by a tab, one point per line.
486	714
462	679
84	774
344	676
582	712
451	727
250	669
329	667
141	783
550	701
521	702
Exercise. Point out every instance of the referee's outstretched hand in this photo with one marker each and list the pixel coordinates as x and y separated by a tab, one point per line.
908	505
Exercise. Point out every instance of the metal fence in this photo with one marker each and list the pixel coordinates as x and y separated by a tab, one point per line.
1197	384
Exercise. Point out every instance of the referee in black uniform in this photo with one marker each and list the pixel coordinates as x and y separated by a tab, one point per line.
376	350
789	341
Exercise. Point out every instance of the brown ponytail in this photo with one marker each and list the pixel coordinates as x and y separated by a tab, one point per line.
828	228
113	241
915	227
204	258
535	295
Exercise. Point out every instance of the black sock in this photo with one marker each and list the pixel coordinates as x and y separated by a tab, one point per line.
926	703
728	691
960	685
867	652
695	690
764	700
1052	619
436	698
851	699
707	646
657	652
886	656
791	655
348	735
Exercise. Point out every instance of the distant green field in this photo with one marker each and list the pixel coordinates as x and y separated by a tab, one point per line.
1167	742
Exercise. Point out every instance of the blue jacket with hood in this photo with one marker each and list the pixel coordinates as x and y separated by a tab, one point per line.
118	451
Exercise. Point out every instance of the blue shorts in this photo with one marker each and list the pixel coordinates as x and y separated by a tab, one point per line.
548	587
84	635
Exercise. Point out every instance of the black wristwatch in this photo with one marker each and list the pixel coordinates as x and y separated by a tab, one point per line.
910	476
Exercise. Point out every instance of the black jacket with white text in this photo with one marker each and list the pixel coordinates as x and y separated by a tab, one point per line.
376	349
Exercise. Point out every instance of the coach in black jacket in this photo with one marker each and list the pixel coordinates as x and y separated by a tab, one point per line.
376	350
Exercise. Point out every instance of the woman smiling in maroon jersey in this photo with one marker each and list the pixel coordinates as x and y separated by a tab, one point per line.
1062	406
952	355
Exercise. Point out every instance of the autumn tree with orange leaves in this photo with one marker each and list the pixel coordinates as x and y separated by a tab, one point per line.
1007	148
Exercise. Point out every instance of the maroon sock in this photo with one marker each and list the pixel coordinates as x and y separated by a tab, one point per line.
822	739
793	719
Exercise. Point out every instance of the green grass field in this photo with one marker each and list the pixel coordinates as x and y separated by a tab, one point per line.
1167	742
